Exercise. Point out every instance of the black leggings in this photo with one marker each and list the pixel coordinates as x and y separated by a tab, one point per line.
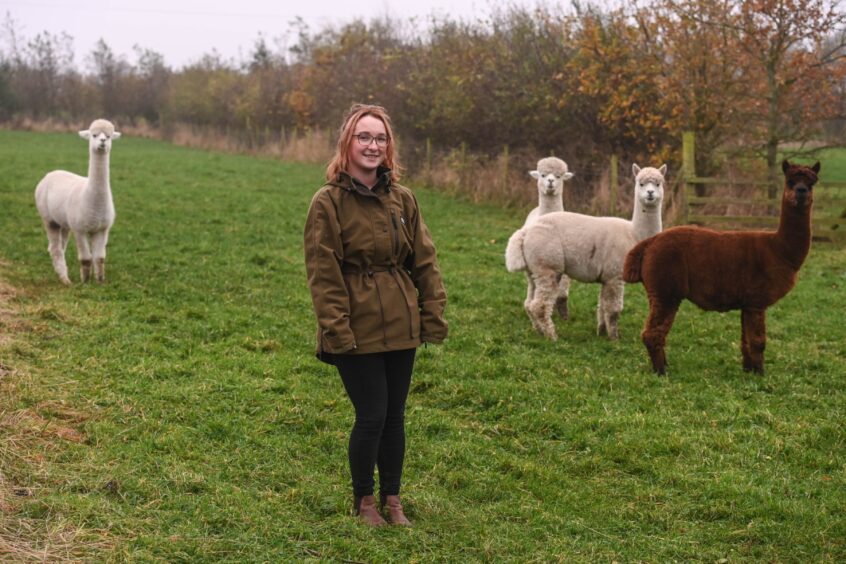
377	385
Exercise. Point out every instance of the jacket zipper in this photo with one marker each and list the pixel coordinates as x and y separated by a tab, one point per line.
397	278
396	234
381	307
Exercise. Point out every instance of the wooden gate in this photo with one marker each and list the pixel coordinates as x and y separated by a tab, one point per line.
748	203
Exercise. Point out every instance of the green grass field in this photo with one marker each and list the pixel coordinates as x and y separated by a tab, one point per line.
177	413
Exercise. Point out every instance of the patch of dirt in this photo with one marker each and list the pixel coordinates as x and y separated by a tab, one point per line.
65	432
30	424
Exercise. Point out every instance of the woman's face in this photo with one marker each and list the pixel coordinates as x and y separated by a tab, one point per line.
364	159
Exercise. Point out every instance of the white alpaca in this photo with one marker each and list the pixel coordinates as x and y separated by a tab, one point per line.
588	249
551	174
69	202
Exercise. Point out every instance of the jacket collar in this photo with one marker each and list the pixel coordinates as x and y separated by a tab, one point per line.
349	182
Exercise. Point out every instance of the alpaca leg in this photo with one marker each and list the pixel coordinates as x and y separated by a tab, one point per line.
563	297
610	307
56	248
530	293
83	250
65	239
655	331
601	328
754	339
540	310
98	251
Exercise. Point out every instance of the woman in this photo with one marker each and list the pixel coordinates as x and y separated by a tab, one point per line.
377	293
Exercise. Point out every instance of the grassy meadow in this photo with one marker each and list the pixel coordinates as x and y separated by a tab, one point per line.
177	413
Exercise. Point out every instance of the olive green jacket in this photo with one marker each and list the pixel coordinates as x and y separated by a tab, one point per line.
372	269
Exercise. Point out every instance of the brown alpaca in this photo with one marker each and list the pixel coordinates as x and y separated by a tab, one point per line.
721	271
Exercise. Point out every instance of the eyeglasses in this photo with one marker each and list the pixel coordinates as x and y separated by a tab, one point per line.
366	139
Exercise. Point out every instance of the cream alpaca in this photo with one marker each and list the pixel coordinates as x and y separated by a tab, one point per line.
551	174
588	249
68	203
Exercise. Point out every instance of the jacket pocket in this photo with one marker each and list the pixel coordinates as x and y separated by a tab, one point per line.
410	296
365	307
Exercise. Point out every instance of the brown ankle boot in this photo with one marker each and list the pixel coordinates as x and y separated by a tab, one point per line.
365	508
395	515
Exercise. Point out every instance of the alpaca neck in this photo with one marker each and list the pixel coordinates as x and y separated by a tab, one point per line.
794	233
646	222
550	203
98	177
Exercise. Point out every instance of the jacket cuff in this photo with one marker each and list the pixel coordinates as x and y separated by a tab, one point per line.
433	327
346	349
434	334
337	344
432	340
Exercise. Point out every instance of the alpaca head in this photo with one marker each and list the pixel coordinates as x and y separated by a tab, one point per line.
799	183
649	186
100	134
551	174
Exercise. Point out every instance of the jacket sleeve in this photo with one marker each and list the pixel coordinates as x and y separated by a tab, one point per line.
426	275
324	254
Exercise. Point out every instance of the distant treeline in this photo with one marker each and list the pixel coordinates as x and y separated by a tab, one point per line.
578	83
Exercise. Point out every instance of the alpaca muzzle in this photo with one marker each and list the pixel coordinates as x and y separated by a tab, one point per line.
802	192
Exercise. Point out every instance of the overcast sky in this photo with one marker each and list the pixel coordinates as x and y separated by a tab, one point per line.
184	30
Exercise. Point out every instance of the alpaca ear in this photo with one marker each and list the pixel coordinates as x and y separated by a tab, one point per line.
635	169
568	175
784	166
85	134
816	167
534	174
116	135
663	169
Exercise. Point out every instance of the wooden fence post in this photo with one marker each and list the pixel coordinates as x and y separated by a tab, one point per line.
688	169
613	183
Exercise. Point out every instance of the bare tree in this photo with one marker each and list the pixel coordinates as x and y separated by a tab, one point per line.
152	83
790	65
108	75
40	67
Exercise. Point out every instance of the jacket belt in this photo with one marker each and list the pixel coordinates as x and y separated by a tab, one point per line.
349	269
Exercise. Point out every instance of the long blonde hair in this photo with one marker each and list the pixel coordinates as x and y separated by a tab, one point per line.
341	161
